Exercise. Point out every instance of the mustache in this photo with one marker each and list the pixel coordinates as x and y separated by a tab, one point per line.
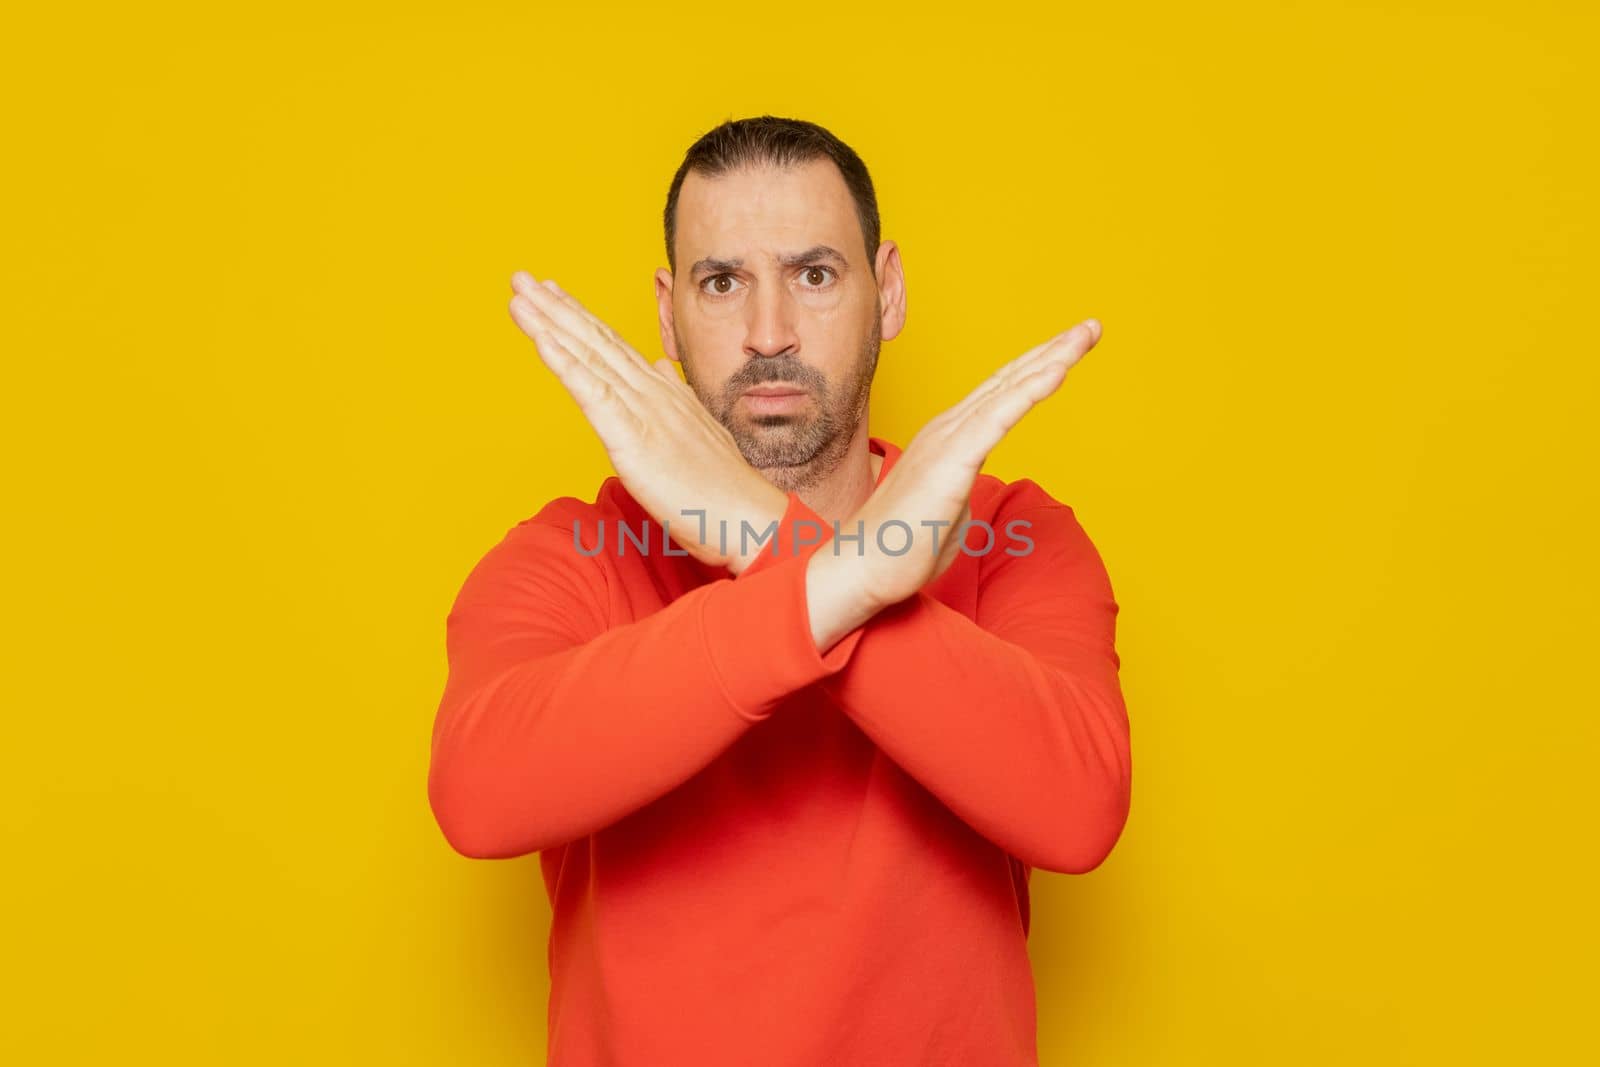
774	369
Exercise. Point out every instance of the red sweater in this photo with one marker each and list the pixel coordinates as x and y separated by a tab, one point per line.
756	854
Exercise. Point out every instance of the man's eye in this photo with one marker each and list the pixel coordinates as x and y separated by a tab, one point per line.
816	277
716	288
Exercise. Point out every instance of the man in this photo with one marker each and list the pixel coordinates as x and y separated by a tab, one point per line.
787	792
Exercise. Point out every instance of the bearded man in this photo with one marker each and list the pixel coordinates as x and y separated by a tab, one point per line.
789	769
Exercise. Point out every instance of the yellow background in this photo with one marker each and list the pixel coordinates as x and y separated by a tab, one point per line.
264	408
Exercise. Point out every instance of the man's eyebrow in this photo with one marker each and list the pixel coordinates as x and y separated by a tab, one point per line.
791	259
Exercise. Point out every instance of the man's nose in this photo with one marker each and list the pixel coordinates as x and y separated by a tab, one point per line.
770	326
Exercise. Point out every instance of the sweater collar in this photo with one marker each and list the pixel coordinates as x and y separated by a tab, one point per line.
888	450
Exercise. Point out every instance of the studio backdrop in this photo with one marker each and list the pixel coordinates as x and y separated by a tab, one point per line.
265	408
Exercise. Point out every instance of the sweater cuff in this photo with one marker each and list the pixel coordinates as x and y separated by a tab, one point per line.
757	627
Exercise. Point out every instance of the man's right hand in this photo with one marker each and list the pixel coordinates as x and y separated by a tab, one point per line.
677	461
929	489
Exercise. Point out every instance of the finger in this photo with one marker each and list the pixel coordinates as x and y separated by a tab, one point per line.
546	333
1043	381
564	309
986	422
997	415
577	305
568	367
528	321
676	388
629	356
1078	338
1065	349
579	339
607	411
682	396
594	320
970	443
586	329
584	379
1024	364
664	367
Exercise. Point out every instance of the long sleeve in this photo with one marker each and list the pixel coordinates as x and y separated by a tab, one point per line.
554	724
1014	720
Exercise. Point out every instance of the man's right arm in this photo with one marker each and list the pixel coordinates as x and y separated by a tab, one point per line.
553	725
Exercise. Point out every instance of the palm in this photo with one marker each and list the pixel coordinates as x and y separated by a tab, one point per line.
930	486
668	451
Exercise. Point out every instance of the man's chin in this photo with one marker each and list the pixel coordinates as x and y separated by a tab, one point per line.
771	431
769	455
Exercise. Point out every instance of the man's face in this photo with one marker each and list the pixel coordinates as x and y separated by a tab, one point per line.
774	292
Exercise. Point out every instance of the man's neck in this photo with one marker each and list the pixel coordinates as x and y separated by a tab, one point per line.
847	486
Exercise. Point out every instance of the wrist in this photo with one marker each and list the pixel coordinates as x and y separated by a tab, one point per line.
836	597
765	511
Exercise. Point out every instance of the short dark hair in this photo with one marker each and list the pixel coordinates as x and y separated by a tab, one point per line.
780	142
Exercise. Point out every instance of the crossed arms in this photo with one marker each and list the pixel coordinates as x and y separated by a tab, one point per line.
554	725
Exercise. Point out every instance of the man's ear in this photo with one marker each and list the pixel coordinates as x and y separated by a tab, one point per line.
891	289
669	340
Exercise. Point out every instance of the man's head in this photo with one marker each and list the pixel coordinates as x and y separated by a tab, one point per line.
783	282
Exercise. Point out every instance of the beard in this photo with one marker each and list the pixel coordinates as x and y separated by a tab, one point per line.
793	451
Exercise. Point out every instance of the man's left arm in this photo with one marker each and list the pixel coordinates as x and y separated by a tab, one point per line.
1015	720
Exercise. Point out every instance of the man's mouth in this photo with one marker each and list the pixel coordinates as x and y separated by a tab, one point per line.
774	398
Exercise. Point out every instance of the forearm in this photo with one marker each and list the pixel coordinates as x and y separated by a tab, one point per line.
554	724
1013	716
557	745
1030	750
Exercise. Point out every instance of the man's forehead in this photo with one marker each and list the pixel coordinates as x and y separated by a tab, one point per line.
766	214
